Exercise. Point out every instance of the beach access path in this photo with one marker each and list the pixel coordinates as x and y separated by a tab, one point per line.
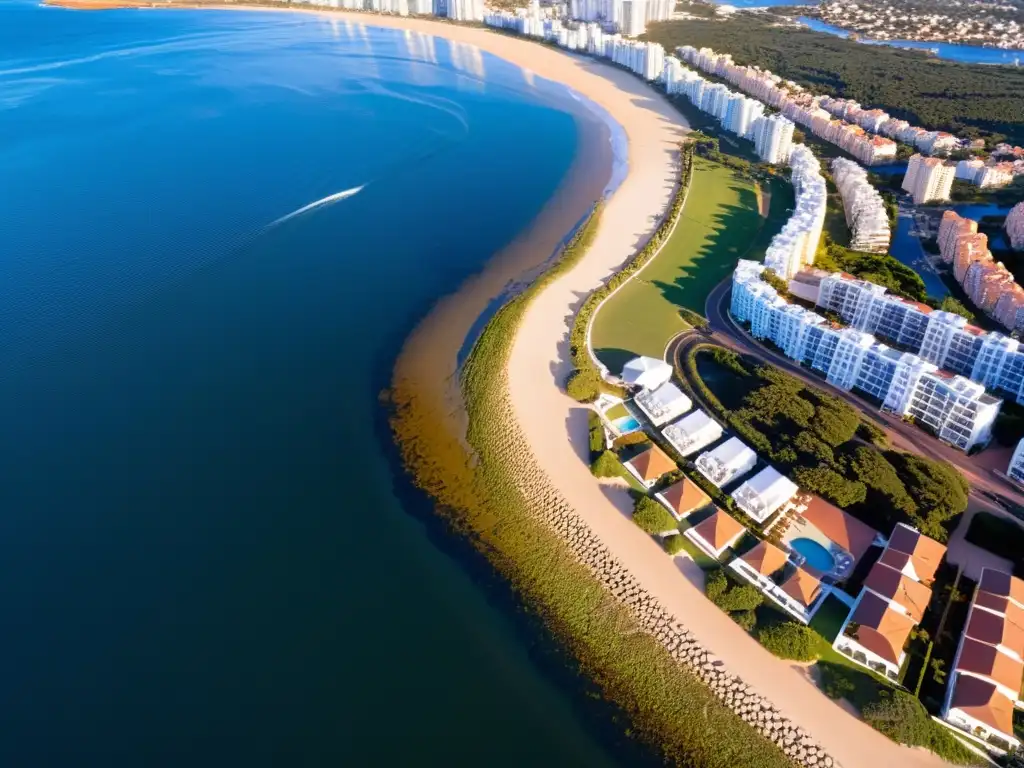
556	426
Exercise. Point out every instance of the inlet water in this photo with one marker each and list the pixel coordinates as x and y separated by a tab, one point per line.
215	231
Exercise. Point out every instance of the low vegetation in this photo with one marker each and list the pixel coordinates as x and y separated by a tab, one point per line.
813	437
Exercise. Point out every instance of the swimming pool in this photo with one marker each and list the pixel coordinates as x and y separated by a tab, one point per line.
626	424
817	557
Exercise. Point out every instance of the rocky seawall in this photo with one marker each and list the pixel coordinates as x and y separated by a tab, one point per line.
750	705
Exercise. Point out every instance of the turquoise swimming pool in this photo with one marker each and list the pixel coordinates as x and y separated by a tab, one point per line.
817	557
626	424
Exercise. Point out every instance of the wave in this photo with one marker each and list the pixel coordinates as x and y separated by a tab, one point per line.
323	201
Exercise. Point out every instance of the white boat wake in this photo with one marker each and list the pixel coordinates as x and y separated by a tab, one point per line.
323	201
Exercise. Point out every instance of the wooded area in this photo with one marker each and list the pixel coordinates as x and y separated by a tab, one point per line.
969	100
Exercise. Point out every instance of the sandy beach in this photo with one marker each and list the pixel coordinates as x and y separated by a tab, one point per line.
555	426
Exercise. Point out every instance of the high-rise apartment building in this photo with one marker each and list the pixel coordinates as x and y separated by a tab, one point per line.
928	178
865	211
773	138
634	17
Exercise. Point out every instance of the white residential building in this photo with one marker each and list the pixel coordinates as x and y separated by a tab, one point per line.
694	432
958	410
848	297
795	246
728	462
663	404
1015	471
849	353
764	494
864	207
634	17
740	114
465	10
773	138
928	178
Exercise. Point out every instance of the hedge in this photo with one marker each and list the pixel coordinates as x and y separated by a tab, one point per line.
581	360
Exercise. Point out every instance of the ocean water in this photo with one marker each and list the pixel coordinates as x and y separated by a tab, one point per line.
216	228
967	54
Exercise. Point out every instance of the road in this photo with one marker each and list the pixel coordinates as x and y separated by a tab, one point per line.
985	484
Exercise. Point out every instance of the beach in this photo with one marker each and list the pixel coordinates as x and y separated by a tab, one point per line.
555	427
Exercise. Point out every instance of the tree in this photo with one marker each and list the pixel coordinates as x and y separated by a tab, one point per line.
834	421
651	517
596	434
790	640
774	401
607	464
583	385
949	304
874	470
873	434
831	485
939	490
741	598
813	449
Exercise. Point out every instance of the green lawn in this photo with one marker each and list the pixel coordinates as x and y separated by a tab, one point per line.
719	224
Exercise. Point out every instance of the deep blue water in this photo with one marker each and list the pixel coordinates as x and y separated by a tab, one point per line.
969	54
204	559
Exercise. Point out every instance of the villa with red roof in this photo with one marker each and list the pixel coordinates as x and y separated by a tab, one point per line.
985	681
892	601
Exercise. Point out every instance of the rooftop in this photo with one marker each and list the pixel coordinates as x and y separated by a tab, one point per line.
925	553
684	497
901	589
719	530
988	661
846	531
765	558
652	464
879	628
984	702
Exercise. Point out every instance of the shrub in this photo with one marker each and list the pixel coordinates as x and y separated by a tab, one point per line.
583	385
741	598
790	640
674	544
652	517
715	585
780	284
691	317
837	681
746	619
899	716
633	438
873	434
597	441
607	464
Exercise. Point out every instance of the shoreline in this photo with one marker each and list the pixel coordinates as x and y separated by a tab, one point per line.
550	423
